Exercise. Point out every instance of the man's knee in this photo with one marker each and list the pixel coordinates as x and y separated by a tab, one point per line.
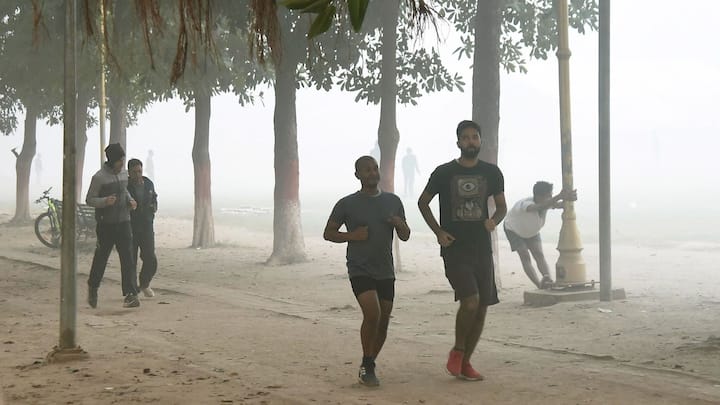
470	304
524	255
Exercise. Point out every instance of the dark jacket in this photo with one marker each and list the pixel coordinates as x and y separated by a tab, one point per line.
106	183
143	216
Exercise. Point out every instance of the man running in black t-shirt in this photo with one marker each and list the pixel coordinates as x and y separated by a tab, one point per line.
464	186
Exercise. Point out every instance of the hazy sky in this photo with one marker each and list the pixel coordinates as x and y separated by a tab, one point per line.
665	126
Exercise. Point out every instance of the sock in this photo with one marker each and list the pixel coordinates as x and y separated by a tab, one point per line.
368	361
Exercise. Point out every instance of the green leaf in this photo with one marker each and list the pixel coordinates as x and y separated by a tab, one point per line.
317	6
297	4
357	10
322	22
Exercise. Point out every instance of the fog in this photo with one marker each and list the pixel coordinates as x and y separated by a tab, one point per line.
665	127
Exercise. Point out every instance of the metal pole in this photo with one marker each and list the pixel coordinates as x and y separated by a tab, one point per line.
68	304
103	104
570	267
604	151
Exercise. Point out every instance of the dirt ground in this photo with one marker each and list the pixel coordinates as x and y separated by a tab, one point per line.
225	328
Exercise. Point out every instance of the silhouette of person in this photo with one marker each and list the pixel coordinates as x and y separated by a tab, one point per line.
410	168
38	168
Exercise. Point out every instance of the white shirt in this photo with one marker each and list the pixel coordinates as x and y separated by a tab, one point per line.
523	222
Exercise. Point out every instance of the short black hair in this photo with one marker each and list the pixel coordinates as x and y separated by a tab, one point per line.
362	159
542	187
134	162
464	124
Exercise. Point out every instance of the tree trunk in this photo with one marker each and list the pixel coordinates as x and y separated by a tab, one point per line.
288	242
486	76
486	91
83	101
118	120
388	134
203	224
23	165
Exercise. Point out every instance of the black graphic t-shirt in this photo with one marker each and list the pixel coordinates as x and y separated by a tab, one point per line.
463	193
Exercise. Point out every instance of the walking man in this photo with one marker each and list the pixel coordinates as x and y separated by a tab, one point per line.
142	219
464	186
523	224
410	168
370	217
109	195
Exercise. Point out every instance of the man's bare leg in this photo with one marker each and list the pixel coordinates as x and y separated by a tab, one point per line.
475	332
371	317
385	310
465	320
528	266
539	256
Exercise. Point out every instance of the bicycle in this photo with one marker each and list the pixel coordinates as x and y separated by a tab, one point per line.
47	224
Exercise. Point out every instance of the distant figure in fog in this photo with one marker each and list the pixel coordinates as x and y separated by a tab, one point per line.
150	165
38	168
410	169
142	219
523	224
370	216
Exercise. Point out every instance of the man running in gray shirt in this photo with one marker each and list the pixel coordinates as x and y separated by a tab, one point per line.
370	216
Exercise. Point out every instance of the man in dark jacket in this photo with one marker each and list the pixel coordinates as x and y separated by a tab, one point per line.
113	203
142	190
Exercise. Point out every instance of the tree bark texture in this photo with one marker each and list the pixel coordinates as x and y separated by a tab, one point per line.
118	120
203	224
288	242
83	101
23	166
486	91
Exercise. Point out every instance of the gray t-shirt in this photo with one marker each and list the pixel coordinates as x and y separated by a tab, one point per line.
372	257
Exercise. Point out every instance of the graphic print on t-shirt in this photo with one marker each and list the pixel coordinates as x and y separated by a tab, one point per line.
469	196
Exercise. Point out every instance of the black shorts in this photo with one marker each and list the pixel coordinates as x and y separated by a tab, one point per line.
518	242
385	289
471	271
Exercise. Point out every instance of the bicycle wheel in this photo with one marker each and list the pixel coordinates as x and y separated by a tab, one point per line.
46	231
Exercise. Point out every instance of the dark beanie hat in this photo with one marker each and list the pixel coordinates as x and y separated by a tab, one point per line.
114	152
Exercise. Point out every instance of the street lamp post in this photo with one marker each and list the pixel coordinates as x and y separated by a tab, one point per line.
570	267
604	151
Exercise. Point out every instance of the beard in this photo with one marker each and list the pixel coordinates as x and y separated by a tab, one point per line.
470	153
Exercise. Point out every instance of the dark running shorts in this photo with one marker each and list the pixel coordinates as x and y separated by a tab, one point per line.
470	272
385	288
518	242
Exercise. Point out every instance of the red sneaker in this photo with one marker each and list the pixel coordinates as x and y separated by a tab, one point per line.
470	374
454	363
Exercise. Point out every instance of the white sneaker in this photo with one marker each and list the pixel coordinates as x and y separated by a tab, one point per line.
148	292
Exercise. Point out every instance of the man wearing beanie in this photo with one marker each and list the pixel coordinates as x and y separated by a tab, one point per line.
109	195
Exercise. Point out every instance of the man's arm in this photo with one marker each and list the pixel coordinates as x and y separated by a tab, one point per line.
500	211
443	238
93	198
401	227
332	233
131	201
555	202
